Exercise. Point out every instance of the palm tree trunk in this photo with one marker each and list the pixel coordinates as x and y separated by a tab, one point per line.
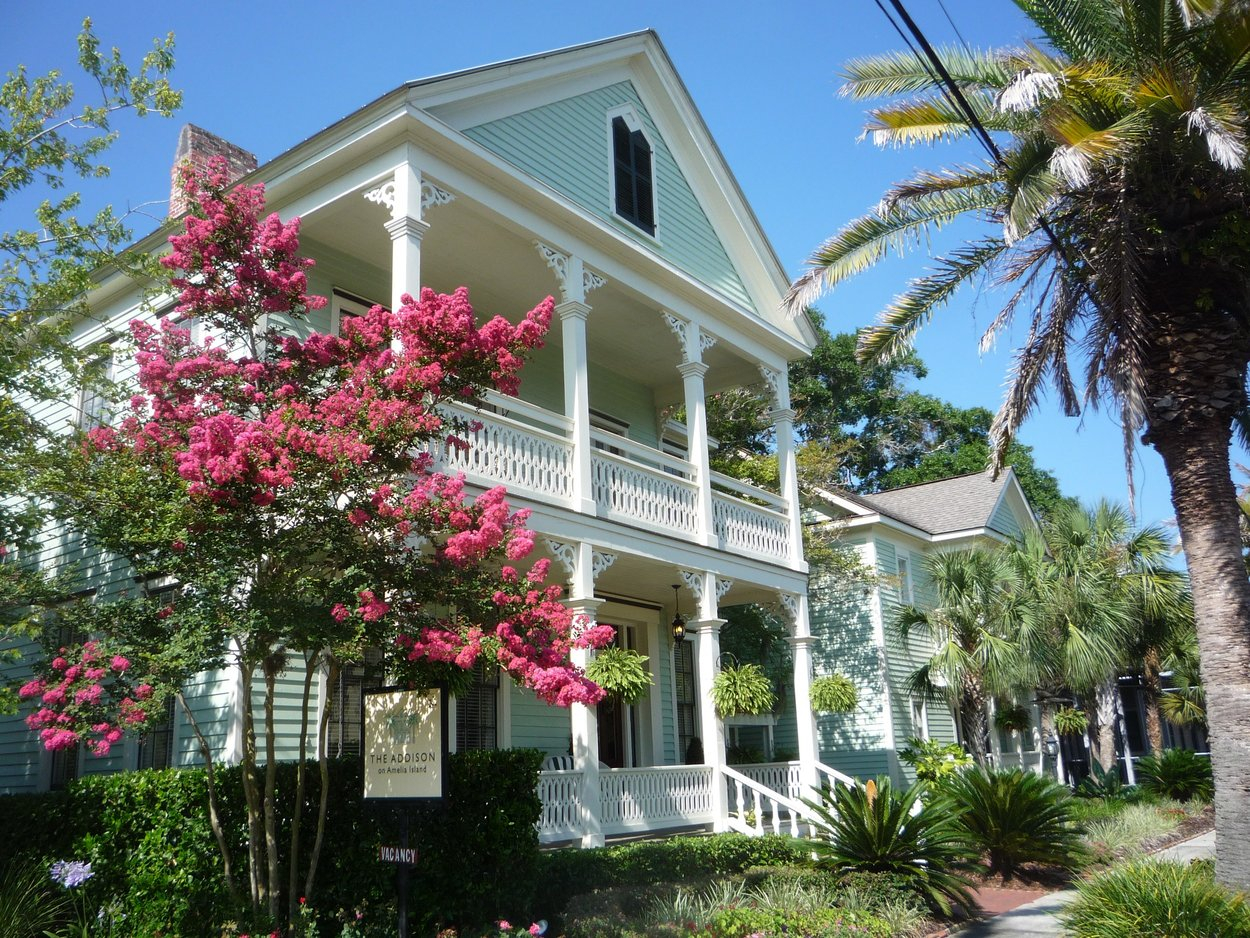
1103	736
1196	454
972	719
1152	689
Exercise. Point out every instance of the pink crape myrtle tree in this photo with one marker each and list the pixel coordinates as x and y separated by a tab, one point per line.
282	480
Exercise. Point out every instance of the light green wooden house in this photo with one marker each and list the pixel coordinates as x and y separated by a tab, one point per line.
585	173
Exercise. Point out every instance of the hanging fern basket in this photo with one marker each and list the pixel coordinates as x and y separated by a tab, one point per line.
1070	722
622	673
834	693
742	690
1013	719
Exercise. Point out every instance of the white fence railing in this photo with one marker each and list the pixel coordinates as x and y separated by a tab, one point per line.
529	450
560	793
655	797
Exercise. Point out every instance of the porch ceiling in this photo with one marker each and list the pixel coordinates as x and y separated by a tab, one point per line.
471	245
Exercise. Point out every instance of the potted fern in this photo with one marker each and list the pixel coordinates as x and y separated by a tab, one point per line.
1070	721
833	693
742	689
1014	719
621	672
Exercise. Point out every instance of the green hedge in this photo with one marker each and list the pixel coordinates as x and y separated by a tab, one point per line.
153	853
569	873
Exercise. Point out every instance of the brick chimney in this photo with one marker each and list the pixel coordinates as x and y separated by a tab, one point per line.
197	146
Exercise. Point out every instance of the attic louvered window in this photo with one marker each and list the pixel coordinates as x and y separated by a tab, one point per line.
631	159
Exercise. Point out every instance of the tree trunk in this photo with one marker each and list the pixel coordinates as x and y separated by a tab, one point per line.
301	771
972	719
1196	455
250	794
273	867
323	767
1152	690
214	810
1103	735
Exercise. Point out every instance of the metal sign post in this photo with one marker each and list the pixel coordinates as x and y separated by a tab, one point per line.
403	762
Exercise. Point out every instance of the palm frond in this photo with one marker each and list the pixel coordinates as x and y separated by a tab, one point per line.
895	73
929	120
896	328
925	183
867	239
1081	29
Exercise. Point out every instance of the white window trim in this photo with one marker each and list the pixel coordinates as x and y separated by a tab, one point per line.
342	302
629	114
906	580
919	706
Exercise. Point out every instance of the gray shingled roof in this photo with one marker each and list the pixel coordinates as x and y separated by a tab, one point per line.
941	507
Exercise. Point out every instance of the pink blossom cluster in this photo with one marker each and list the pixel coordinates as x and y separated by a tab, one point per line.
85	697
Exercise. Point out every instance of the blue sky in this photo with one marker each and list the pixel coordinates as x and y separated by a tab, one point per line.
267	75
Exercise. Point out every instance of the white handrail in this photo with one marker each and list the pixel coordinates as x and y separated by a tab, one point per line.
834	776
762	800
730	484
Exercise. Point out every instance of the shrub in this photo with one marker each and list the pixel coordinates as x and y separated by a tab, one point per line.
1106	784
148	839
1130	828
934	760
744	689
29	905
1016	817
745	921
1177	773
564	874
834	693
1157	898
871	828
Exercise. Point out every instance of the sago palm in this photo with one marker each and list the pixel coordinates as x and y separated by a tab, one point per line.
1117	218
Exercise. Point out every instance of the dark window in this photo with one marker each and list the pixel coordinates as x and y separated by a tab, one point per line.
635	200
683	664
95	404
343	731
156	748
477	711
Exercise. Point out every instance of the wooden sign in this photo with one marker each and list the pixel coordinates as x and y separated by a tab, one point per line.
404	744
406	855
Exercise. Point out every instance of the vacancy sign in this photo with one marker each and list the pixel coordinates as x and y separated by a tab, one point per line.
405	744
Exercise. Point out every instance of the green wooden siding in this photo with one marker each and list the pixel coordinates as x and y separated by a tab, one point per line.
566	145
1005	521
538	725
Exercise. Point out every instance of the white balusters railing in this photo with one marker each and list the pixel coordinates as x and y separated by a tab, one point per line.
629	491
756	809
655	797
561	816
515	449
746	528
786	778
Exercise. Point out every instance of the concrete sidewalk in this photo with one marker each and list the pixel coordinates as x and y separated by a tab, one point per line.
1040	918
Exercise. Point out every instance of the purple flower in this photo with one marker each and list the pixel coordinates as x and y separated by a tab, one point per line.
71	873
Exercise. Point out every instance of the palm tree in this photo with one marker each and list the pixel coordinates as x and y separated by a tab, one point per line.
1109	602
1118	218
972	632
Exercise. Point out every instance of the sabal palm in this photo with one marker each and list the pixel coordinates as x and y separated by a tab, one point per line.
1107	600
974	631
1118	219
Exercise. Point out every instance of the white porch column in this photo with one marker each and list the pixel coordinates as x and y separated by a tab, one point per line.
783	420
575	282
694	342
583	564
407	197
801	642
711	727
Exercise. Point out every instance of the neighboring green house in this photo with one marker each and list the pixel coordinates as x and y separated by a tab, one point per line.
893	532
